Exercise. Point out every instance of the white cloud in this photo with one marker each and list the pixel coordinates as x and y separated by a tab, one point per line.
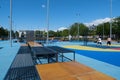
62	28
98	21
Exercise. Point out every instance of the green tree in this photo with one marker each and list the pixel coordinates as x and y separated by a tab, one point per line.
65	32
103	27
116	27
83	30
16	34
52	33
3	33
74	29
59	33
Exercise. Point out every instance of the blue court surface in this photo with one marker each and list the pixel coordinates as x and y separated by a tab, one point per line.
108	57
7	55
98	64
103	61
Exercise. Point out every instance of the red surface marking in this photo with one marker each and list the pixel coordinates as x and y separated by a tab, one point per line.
116	48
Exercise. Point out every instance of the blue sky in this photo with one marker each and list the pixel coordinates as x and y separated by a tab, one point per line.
30	14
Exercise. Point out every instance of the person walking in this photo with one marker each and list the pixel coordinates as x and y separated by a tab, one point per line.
108	41
99	42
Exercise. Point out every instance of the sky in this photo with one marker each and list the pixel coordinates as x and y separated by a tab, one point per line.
31	14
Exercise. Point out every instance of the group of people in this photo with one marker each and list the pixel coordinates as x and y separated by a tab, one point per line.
99	41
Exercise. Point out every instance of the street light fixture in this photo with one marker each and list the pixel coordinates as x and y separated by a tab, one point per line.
47	22
69	31
78	31
78	26
11	23
110	18
103	31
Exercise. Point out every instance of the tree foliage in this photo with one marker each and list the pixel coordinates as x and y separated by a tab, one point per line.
99	30
82	29
3	32
104	29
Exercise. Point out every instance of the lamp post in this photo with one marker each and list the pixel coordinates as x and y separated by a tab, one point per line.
110	18
11	23
78	31
47	22
103	30
69	33
78	27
